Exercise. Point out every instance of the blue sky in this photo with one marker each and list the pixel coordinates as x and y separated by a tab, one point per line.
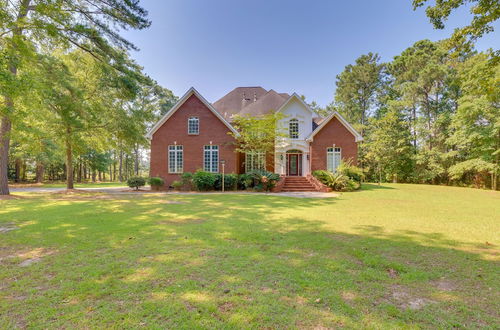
289	46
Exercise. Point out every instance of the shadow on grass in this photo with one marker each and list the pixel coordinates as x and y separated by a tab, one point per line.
235	261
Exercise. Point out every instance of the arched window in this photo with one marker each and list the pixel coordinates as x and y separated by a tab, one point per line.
293	129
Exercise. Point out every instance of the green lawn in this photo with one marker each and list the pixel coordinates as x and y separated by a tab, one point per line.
412	256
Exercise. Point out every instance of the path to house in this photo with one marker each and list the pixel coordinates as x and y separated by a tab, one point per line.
125	190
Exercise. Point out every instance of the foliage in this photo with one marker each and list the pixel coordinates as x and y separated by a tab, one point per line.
204	181
485	14
351	171
230	181
187	181
136	182
257	133
245	181
156	182
337	181
263	180
177	185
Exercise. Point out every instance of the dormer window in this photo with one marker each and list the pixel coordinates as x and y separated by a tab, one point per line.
293	129
193	125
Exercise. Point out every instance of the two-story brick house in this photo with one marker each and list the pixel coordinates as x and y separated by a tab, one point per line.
194	135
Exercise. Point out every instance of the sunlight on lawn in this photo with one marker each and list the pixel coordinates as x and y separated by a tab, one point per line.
388	256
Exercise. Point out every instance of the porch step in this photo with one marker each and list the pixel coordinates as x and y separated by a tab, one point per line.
297	184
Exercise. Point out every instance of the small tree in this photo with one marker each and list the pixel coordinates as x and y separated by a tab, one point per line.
136	182
257	133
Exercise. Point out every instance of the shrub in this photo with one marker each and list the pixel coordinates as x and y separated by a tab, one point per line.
245	181
187	181
230	181
352	172
204	180
336	181
156	182
263	180
136	182
177	185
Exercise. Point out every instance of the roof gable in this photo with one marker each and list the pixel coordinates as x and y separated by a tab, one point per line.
295	96
184	98
341	119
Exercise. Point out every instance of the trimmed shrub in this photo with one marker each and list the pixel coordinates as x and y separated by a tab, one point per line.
156	183
204	181
230	181
177	185
263	180
187	181
136	182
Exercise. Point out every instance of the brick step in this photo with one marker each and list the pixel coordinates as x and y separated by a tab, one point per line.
296	189
310	186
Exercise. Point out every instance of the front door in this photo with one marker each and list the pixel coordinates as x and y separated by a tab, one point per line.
294	164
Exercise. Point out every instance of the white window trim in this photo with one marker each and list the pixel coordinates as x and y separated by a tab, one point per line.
175	160
189	119
295	121
211	158
331	154
261	158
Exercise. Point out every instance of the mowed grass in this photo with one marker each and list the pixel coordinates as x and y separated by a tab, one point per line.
390	256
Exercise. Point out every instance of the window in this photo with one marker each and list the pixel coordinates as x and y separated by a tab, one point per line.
293	129
211	158
175	159
193	125
333	157
255	160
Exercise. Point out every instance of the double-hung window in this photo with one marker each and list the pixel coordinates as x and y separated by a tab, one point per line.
211	158
175	159
333	158
293	128
255	160
193	125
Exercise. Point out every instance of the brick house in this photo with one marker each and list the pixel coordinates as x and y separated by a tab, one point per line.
195	134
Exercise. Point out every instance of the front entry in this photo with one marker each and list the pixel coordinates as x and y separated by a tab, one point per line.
294	163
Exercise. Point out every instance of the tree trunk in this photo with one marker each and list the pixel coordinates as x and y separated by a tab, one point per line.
93	176
69	160
136	164
120	167
17	171
40	169
6	124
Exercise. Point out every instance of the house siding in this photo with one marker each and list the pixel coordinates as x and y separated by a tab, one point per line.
333	133
175	130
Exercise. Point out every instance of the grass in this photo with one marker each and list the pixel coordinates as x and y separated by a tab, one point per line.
391	256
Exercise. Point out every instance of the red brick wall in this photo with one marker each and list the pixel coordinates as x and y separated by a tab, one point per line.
175	129
333	133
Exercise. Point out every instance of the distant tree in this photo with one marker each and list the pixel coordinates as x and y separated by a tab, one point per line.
476	124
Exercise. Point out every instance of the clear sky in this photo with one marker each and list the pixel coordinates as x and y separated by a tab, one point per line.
289	46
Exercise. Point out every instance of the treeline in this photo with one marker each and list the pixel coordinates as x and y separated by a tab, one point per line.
428	116
74	106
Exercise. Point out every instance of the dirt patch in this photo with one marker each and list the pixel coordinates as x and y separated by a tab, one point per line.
226	307
10	197
348	295
444	285
403	298
173	202
181	221
6	227
29	257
